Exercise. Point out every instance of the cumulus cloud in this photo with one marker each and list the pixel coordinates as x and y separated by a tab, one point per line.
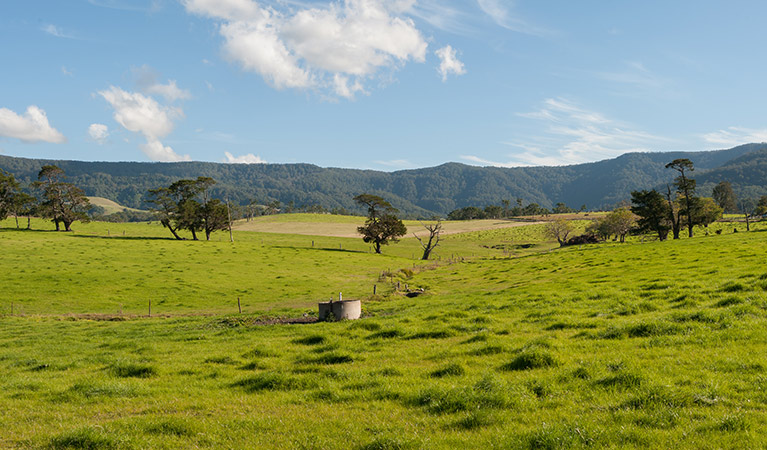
143	114
250	158
32	126
147	82
449	62
337	47
98	132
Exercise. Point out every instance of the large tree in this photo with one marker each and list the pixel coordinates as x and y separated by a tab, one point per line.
725	197
64	203
382	225
187	205
653	212
685	187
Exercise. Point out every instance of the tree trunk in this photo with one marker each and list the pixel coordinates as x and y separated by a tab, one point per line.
166	224
29	222
378	247
194	235
748	227
207	234
58	228
17	220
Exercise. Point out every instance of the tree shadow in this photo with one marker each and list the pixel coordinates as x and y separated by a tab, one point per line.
319	249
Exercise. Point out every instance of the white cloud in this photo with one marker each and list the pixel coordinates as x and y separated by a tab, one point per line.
734	136
498	11
449	62
66	71
98	132
170	91
569	134
635	74
397	163
310	47
156	151
147	82
32	126
250	158
143	114
53	30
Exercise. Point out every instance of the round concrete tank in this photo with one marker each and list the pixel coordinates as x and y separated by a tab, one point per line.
342	310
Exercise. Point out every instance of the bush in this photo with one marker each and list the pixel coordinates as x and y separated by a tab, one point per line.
531	359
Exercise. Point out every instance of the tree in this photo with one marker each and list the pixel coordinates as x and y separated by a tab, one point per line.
685	187
561	208
23	205
725	197
674	213
747	207
178	208
761	206
493	212
653	212
434	230
619	223
166	210
382	225
9	189
215	217
64	203
559	230
466	213
705	211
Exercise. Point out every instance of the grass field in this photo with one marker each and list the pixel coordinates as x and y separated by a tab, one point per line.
346	226
654	344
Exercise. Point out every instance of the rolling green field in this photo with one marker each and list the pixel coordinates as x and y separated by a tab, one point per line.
514	345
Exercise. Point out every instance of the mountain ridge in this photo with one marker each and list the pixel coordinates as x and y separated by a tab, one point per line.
419	192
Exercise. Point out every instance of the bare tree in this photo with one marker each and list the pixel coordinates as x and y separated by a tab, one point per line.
434	230
559	230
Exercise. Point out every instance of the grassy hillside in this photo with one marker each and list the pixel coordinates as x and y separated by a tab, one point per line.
110	206
654	344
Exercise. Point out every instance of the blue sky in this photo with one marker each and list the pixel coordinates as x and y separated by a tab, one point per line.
378	84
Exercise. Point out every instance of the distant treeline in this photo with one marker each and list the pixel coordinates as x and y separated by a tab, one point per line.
420	193
505	210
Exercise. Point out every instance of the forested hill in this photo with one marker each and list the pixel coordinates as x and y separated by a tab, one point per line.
420	192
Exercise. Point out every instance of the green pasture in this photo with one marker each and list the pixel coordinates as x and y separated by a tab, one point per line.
638	345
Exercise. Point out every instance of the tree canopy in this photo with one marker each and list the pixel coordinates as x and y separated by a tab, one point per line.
382	225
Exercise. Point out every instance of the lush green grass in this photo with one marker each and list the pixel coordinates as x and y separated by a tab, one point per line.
655	344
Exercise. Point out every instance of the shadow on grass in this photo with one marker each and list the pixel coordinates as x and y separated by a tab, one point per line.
319	249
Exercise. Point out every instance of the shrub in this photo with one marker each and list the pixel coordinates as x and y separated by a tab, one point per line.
451	370
271	382
531	359
84	438
134	370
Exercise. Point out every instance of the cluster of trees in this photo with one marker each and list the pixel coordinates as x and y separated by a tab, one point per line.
61	201
505	210
187	205
680	208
